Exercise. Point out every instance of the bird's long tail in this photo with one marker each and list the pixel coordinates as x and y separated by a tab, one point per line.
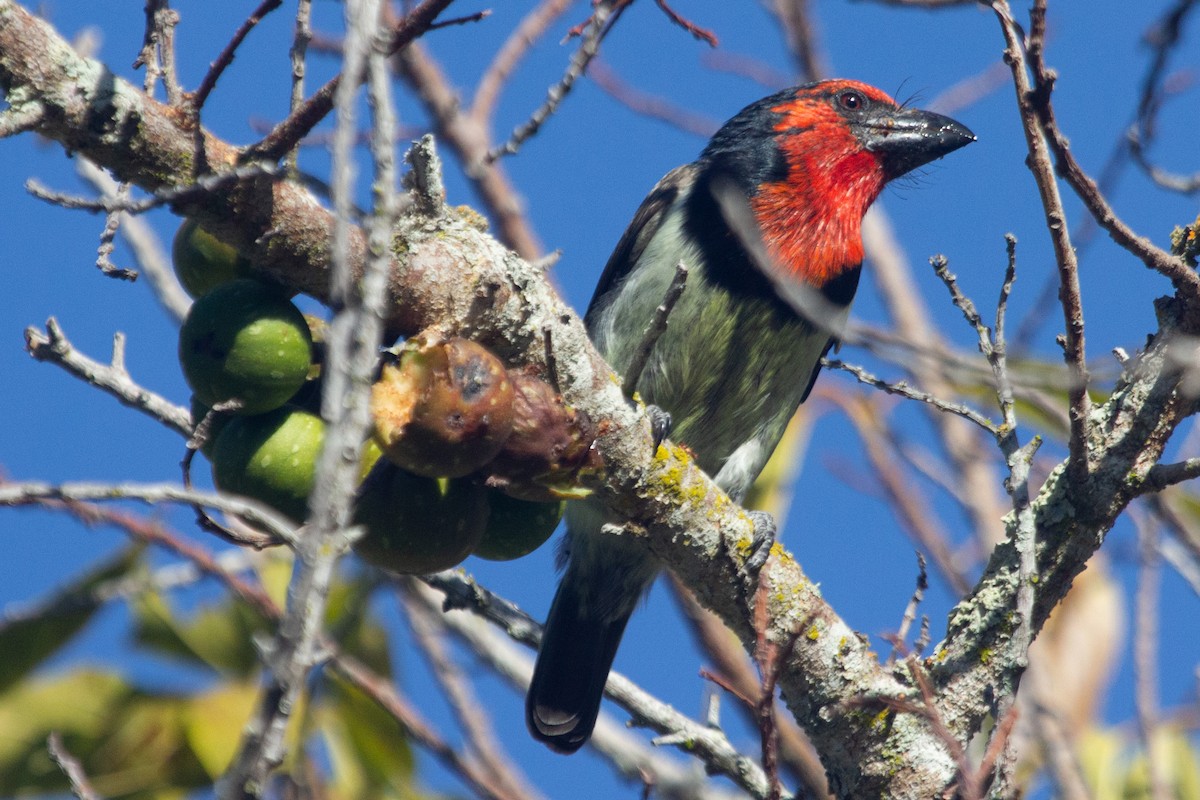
577	653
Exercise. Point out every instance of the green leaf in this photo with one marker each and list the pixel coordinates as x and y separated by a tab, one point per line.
220	637
368	747
213	723
27	638
130	743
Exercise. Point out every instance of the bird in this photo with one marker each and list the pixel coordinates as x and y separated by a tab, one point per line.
768	222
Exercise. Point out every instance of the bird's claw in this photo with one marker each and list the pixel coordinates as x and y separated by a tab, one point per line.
761	541
660	424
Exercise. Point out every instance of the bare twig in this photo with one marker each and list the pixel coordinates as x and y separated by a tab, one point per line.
736	672
112	222
53	346
648	105
1033	101
299	49
710	746
428	629
1163	38
284	136
902	389
655	329
1036	107
1065	769
421	731
1145	655
630	756
467	132
351	351
914	511
81	787
910	610
38	493
158	50
796	20
606	14
225	57
701	34
151	258
533	26
199	188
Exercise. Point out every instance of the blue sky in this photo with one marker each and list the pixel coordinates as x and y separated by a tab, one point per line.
582	178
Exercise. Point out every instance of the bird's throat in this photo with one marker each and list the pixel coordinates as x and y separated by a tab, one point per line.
811	222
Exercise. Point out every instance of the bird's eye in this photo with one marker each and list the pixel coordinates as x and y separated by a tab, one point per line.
851	101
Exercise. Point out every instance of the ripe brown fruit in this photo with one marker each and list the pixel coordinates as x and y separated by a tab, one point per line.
445	409
550	444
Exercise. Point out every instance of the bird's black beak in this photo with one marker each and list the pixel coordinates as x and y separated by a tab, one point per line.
908	138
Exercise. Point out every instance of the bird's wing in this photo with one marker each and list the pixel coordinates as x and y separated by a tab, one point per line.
641	230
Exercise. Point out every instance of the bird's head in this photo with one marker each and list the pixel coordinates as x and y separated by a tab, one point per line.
810	160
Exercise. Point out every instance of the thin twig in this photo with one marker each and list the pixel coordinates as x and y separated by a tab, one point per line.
1037	100
910	610
112	222
201	187
38	493
598	25
158	50
1065	769
429	632
655	329
1033	102
712	747
299	49
81	787
351	351
225	57
1163	37
902	389
649	105
151	258
1145	652
468	134
915	512
419	729
701	34
378	689
530	29
796	20
53	347
630	756
287	134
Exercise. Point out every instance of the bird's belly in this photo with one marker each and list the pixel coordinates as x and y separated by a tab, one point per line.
731	370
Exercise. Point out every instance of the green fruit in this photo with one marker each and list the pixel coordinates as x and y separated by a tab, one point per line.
416	525
270	457
516	527
203	262
245	341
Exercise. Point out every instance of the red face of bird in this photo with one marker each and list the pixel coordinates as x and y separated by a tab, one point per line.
811	160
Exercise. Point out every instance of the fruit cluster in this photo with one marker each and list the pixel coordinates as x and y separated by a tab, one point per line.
478	458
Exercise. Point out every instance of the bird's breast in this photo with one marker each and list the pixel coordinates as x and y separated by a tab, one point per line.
732	365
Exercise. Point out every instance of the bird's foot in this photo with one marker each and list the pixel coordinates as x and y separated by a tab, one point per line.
660	424
761	541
